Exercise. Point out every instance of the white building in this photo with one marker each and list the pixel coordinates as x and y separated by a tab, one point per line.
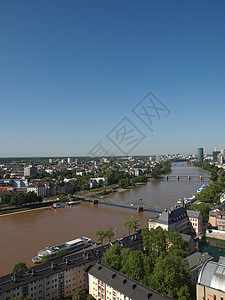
29	171
107	283
195	221
98	179
38	188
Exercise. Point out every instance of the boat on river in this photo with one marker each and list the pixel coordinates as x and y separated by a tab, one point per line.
202	188
70	247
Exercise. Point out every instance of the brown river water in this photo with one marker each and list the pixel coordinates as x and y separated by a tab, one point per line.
22	235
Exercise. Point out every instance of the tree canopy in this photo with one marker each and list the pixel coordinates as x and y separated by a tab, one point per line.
19	266
131	224
160	265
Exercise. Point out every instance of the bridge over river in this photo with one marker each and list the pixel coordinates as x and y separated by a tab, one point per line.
138	205
188	177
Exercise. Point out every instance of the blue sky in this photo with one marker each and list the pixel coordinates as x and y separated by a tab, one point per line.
71	70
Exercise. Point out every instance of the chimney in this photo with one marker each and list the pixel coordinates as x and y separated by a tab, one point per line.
113	275
124	281
134	286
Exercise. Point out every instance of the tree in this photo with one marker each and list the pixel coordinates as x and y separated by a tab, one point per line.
90	297
101	235
202	207
131	224
80	295
61	253
19	266
109	234
133	266
112	257
46	259
21	297
171	275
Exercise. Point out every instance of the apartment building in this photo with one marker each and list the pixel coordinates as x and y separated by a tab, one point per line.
38	188
217	219
59	278
108	284
195	221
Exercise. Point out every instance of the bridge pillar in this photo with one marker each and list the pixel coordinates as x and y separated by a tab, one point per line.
140	209
189	178
200	178
95	202
167	178
178	178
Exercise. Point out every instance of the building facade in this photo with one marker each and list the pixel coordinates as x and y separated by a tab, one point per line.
200	154
211	281
38	188
29	171
195	262
108	284
59	278
175	220
195	221
217	219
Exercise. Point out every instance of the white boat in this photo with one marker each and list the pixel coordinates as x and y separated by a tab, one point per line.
202	188
71	247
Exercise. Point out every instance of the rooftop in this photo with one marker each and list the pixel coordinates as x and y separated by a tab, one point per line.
197	259
124	284
213	275
61	264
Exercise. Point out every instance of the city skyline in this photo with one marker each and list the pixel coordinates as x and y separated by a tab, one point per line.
72	72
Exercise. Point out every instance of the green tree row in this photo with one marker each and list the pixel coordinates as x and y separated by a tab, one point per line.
20	199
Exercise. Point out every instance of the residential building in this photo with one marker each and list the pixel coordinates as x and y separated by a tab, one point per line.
211	281
55	280
200	154
104	180
222	197
175	220
38	188
136	172
59	278
107	283
217	219
29	171
195	221
196	261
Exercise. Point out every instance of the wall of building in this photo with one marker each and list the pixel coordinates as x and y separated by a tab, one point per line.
207	293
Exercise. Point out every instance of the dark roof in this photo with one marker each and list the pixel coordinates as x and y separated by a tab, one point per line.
124	284
37	272
197	259
173	216
193	213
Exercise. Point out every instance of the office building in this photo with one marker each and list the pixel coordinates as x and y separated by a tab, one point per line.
30	171
200	154
214	154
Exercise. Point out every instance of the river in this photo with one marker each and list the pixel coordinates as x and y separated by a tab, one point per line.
22	235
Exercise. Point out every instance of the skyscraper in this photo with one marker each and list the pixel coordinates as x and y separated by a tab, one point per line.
200	154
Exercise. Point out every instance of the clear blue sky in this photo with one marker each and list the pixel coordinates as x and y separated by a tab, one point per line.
71	70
